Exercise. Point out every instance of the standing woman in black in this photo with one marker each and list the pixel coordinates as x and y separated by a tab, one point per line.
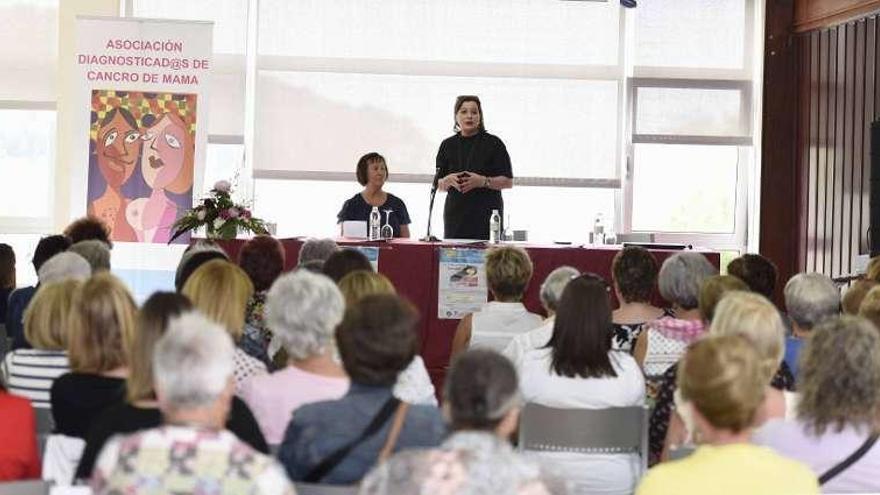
473	167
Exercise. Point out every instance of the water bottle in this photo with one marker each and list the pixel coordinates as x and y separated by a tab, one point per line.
599	230
495	227
375	224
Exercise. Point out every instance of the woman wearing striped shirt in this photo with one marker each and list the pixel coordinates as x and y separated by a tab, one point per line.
30	372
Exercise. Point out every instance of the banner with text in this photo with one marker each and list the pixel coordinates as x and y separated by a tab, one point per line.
461	282
141	87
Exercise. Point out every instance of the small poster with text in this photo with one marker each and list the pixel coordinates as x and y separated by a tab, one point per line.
461	282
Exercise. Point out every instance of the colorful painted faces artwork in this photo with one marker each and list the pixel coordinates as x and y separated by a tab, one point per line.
118	147
143	148
166	164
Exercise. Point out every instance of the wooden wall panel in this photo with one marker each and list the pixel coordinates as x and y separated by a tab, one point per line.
817	14
837	91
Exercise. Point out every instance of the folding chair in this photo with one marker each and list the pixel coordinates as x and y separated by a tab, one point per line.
30	487
315	489
45	426
616	430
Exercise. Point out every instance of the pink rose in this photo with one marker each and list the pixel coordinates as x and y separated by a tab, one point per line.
232	213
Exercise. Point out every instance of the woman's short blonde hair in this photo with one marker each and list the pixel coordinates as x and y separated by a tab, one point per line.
361	283
870	306
713	290
508	271
721	376
47	317
853	297
101	324
752	316
221	290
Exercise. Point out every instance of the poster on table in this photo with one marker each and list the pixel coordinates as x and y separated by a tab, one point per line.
461	282
141	101
372	254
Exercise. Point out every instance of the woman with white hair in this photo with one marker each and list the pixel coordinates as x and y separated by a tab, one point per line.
809	299
664	340
303	309
192	367
550	294
64	266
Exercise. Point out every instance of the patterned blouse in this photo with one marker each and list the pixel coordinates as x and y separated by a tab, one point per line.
256	336
660	415
183	459
624	335
467	463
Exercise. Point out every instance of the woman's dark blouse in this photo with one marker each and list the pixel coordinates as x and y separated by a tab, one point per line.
124	418
78	398
660	415
357	208
466	216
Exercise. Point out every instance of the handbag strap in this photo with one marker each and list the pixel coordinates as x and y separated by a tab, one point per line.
849	461
394	432
331	461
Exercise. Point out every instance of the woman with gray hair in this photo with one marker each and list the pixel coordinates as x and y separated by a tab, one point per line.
809	299
302	310
192	367
664	340
550	293
837	413
64	266
482	407
314	252
96	252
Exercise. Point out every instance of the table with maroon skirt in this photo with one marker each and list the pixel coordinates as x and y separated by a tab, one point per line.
413	267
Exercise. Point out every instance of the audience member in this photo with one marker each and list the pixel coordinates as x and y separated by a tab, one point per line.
482	406
30	372
140	410
19	299
325	441
508	271
758	272
872	271
579	369
88	228
413	383
634	276
101	328
345	261
64	266
713	289
852	298
302	310
192	369
809	299
753	317
19	458
221	290
837	412
262	259
664	340
195	256
95	252
722	377
870	307
7	277
316	250
550	294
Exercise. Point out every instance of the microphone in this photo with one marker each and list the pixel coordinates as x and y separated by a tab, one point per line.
428	236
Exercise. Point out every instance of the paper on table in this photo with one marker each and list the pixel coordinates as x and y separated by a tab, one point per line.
354	229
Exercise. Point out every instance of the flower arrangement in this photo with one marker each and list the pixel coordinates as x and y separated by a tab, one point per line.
221	217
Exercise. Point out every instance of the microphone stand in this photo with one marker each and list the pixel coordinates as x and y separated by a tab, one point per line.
428	236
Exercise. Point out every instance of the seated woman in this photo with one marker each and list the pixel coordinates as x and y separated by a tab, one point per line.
101	327
30	372
633	276
837	414
262	259
221	290
323	443
19	458
413	383
809	299
664	341
191	452
140	410
508	271
302	310
723	378
372	172
579	370
752	316
482	405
